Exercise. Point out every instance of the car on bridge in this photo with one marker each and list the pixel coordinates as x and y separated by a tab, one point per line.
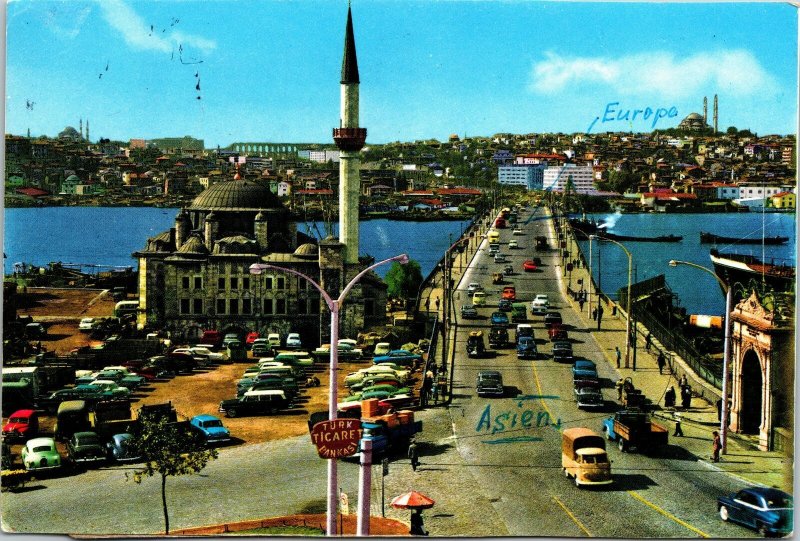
490	383
540	304
562	351
499	318
473	287
529	266
513	244
552	318
767	510
509	292
584	369
469	312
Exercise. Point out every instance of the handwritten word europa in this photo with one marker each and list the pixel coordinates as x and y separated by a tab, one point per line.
513	420
612	114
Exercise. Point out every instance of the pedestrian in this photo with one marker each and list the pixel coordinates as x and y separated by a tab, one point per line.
669	398
719	410
599	315
619	385
428	304
594	314
417	526
716	445
686	397
581	300
678	428
647	341
683	383
619	355
412	455
435	392
436	303
660	360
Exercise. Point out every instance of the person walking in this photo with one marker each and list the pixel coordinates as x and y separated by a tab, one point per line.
686	397
599	315
619	356
683	383
716	445
428	304
678	428
648	340
669	398
661	361
581	300
417	524
412	455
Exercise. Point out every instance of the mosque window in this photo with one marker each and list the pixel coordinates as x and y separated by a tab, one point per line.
233	306
246	306
198	282
220	306
184	306
198	306
280	282
268	307
246	282
234	282
268	282
185	282
221	283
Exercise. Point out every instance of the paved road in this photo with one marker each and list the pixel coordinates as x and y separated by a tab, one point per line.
518	469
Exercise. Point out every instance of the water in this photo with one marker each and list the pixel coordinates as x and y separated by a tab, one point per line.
109	235
698	291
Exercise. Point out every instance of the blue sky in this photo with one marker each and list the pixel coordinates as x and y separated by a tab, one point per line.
268	71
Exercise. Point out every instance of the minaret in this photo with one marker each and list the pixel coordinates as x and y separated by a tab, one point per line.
705	111
87	131
81	127
715	113
350	140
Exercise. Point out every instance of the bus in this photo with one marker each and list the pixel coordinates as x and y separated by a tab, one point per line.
124	308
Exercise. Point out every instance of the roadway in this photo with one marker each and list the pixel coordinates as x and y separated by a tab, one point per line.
517	464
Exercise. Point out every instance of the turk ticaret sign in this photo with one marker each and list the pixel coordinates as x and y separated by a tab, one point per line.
337	438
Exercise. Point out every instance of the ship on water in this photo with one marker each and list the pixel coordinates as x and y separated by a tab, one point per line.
711	238
744	268
590	227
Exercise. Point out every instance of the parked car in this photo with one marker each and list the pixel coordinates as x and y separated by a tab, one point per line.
255	403
767	510
529	266
552	318
211	357
86	448
401	357
513	244
540	304
21	425
210	428
490	383
230	337
41	454
250	338
119	448
88	324
467	312
383	348
112	387
562	351
499	318
274	339
584	369
293	340
261	346
509	292
35	331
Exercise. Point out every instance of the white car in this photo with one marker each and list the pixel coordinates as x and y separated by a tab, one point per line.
517	231
274	339
293	340
382	348
111	386
473	287
88	324
513	244
210	355
540	304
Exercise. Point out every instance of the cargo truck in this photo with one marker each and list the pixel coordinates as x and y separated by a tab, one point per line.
633	429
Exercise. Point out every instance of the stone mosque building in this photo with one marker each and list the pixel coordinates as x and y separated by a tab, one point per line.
195	276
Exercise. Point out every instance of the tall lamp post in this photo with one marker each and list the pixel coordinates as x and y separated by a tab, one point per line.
628	309
448	312
726	351
334	305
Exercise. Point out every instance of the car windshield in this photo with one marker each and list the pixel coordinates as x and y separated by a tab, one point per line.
595	459
87	439
20	420
215	422
779	502
42	448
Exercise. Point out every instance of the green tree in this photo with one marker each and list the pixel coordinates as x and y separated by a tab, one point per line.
168	449
403	281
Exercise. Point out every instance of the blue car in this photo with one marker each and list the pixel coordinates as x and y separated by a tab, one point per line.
398	356
210	428
767	510
584	369
499	318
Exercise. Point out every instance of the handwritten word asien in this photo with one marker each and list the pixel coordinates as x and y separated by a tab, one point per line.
614	113
513	420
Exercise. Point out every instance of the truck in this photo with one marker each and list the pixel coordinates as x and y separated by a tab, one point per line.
475	345
106	418
635	429
584	457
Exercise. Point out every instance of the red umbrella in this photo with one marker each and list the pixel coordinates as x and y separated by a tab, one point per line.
412	500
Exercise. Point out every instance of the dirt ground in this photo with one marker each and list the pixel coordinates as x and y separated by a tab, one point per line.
200	392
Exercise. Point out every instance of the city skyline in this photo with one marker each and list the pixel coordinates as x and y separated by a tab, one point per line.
261	71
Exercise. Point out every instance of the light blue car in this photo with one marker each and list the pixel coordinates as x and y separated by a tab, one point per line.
211	428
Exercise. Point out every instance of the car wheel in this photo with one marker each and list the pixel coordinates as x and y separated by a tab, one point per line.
723	513
577	483
232	413
566	473
761	528
621	445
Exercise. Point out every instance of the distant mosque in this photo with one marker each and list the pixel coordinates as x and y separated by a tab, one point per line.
698	122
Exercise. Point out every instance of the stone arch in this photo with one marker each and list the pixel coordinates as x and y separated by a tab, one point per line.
752	398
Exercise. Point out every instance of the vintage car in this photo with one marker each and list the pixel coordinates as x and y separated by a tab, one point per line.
479	298
382	348
402	357
509	292
526	348
250	338
499	318
355	378
293	340
508	270
769	511
517	231
88	324
489	383
529	266
86	448
41	454
588	394
557	332
255	403
552	318
513	244
562	351
584	369
119	448
261	346
505	305
22	425
469	312
473	287
112	387
540	304
210	429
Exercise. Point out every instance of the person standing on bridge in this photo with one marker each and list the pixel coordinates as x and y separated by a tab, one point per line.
716	445
436	303
599	315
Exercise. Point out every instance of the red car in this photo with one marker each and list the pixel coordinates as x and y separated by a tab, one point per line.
251	337
509	292
529	265
557	332
23	424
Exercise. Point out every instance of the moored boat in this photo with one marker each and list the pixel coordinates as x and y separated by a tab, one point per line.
743	268
711	238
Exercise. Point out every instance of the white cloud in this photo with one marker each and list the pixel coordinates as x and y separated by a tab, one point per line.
141	35
736	72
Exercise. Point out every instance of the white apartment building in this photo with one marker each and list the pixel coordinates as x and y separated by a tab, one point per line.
556	178
320	156
531	176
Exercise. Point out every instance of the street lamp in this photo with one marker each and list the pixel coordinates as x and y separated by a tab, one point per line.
628	309
448	312
334	305
726	351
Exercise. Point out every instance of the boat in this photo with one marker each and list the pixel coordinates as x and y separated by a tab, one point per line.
744	268
598	229
711	238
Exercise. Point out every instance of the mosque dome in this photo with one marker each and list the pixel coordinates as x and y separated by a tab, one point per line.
237	195
694	116
308	250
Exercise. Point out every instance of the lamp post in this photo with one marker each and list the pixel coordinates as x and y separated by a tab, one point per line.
628	309
591	278
334	305
447	314
726	350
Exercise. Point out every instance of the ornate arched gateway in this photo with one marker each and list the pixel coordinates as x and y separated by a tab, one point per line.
762	372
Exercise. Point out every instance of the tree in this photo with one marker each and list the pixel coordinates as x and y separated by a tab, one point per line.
404	280
169	449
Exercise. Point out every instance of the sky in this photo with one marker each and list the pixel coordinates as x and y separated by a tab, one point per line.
268	71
